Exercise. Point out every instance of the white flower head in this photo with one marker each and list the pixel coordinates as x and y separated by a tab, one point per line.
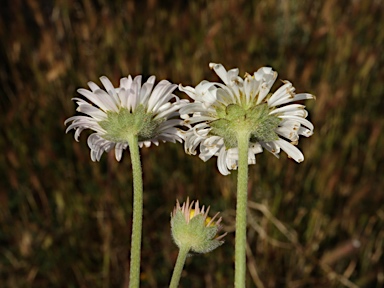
147	111
219	110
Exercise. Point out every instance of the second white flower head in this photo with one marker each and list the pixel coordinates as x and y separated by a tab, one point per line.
219	110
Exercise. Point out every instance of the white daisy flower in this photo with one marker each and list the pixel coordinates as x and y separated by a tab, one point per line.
131	109
219	110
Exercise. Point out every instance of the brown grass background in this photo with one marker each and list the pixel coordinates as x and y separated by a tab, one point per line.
66	221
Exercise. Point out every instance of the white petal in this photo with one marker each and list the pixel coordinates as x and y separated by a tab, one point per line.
226	94
206	154
267	77
291	150
169	123
195	107
191	92
93	86
107	100
271	147
163	98
132	97
161	94
290	110
110	89
221	161
305	132
302	121
167	110
289	98
289	131
92	111
285	91
147	89
123	95
210	147
220	71
250	88
118	153
147	144
255	148
232	158
93	98
233	76
197	119
134	94
126	82
191	143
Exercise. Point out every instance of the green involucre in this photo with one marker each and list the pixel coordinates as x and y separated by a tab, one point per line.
195	234
256	120
123	123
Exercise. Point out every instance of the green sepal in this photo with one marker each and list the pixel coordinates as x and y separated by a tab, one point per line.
194	234
123	123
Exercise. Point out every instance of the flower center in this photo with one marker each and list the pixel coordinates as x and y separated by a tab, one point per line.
123	123
254	120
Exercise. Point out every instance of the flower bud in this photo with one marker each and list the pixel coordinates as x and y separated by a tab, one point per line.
192	228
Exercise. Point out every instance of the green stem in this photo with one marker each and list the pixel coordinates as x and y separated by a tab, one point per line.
179	267
137	220
241	209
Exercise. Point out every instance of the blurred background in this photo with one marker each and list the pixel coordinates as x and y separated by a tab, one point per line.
66	221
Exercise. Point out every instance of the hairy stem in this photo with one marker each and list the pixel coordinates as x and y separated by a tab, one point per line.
241	209
179	267
134	276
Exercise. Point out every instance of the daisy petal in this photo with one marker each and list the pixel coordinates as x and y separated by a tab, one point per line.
221	162
291	150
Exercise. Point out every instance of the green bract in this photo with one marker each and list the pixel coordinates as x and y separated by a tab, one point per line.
255	120
123	123
194	233
192	230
